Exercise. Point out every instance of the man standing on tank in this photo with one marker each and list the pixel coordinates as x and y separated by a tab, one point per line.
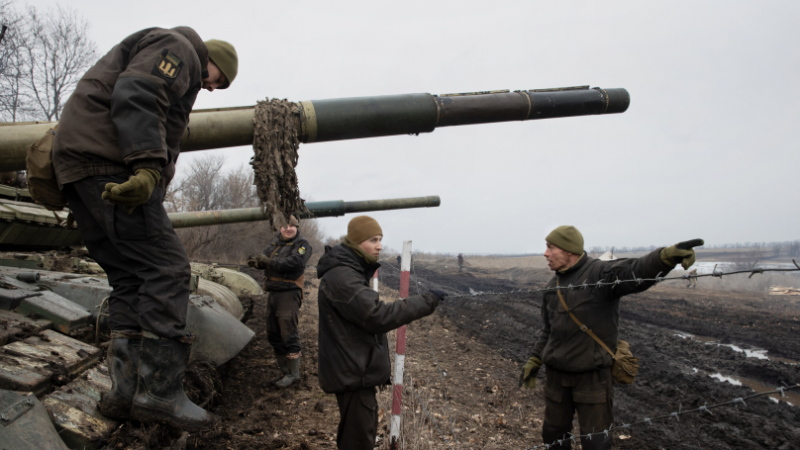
578	376
353	322
284	263
114	154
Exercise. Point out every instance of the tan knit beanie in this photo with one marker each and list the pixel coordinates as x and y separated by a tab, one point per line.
568	238
362	228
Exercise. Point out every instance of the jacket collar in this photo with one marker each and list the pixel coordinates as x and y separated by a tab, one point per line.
341	255
574	268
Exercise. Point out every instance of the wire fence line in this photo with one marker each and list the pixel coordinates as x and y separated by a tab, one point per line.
624	426
676	414
442	373
658	279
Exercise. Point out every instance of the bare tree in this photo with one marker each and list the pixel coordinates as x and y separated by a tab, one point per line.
15	103
59	53
206	186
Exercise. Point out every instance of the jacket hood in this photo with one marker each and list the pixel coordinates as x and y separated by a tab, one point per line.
197	43
341	255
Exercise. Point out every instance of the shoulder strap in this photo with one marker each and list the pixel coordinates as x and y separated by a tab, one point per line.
583	327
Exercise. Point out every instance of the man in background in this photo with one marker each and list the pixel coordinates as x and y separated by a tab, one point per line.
284	263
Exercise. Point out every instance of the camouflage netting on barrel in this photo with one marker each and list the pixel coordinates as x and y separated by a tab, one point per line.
275	145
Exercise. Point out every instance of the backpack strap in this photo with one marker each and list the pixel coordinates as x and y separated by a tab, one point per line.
583	327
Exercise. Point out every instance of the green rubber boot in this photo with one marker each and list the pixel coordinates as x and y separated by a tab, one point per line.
159	395
123	366
291	378
283	364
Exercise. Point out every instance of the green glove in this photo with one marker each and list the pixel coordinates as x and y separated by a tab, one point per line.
529	372
134	192
681	253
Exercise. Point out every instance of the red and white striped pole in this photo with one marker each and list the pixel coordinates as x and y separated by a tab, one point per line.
400	350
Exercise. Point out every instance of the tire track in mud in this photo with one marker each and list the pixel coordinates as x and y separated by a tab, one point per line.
674	371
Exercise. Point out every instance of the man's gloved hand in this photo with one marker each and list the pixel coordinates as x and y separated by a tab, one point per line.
134	192
681	253
529	372
258	261
440	295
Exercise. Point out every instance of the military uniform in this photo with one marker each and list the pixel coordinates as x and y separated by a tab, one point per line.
460	262
129	111
283	279
123	125
353	348
579	369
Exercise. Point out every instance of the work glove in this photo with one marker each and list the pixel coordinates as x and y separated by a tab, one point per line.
258	261
440	295
529	372
681	253
134	192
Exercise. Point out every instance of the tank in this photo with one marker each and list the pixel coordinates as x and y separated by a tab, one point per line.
365	117
50	298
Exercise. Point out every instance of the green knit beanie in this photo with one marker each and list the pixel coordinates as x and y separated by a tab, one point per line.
567	238
225	57
362	228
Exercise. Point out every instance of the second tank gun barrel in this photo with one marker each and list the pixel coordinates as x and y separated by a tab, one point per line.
364	117
331	208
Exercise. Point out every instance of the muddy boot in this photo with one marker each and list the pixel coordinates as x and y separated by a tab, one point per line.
123	364
160	396
283	364
291	378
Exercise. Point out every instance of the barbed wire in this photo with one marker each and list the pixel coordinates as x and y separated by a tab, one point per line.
442	373
613	284
649	420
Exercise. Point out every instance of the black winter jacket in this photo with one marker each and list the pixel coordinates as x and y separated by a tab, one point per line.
287	261
561	344
130	110
353	322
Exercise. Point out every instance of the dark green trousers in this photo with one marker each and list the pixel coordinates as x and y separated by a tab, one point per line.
591	394
283	316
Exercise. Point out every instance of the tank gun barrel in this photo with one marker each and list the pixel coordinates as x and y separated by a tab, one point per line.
364	117
331	208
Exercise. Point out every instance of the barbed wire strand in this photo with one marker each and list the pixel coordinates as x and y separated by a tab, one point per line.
649	420
442	373
658	279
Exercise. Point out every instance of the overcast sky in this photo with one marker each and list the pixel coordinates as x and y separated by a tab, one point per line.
708	147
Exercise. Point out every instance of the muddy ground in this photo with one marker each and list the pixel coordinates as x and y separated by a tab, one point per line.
463	397
463	363
674	370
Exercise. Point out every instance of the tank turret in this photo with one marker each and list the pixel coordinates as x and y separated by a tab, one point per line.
364	117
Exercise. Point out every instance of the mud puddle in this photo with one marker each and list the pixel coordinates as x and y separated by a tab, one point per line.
749	352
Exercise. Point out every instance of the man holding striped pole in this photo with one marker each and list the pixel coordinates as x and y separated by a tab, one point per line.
353	322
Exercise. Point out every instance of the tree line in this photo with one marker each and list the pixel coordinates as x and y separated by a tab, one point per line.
43	55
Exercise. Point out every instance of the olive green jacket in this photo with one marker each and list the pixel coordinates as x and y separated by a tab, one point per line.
131	108
561	343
